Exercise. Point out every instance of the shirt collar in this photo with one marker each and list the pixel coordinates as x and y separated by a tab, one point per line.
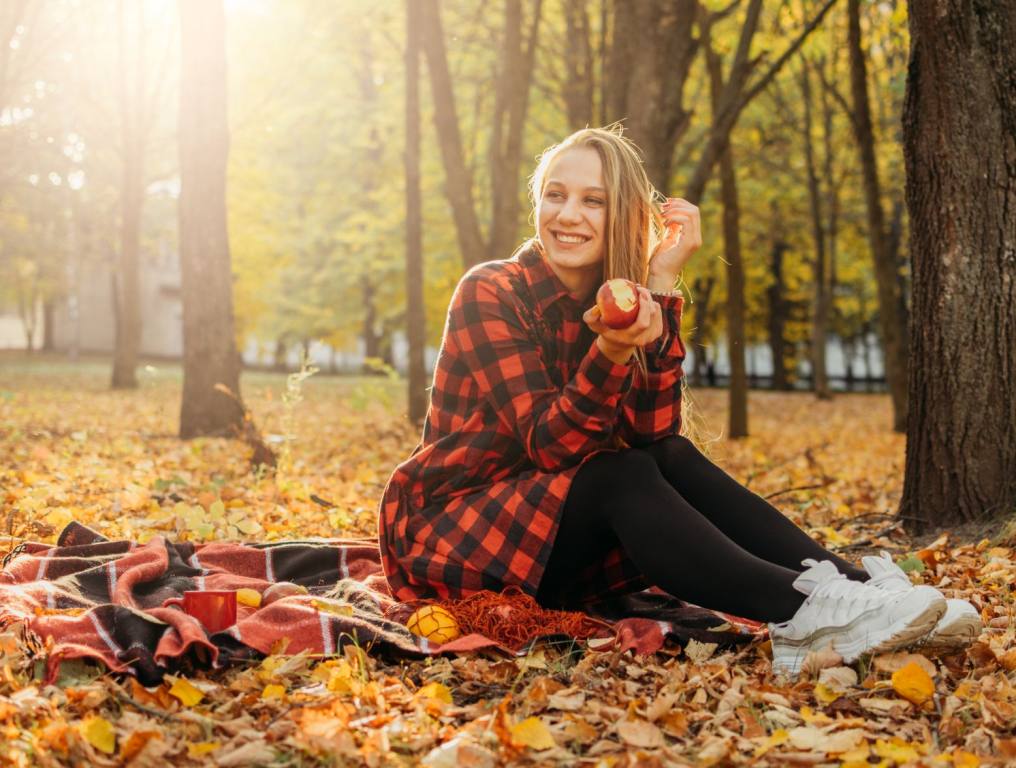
546	285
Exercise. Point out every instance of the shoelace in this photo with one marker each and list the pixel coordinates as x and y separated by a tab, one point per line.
838	587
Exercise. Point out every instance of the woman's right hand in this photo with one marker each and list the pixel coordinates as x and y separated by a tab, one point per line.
619	344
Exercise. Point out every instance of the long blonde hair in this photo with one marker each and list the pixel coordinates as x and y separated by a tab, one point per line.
634	225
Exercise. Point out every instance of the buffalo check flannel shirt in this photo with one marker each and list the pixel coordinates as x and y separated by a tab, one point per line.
522	397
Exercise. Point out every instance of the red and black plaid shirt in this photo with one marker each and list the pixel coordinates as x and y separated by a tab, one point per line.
522	397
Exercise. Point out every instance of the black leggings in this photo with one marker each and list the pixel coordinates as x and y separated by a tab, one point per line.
690	528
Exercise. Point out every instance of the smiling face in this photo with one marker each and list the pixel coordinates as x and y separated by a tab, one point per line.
572	218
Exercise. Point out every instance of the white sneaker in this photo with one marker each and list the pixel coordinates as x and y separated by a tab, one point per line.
958	627
855	618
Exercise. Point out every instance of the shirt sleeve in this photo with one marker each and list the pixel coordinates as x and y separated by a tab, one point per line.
651	409
557	427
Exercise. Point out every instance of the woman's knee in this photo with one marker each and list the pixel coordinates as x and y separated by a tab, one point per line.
676	449
619	470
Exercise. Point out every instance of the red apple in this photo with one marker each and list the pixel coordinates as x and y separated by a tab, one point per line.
618	300
280	590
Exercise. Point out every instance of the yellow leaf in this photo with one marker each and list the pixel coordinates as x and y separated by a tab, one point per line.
273	692
897	750
963	759
826	694
249	597
202	748
185	692
913	683
533	733
435	691
777	737
98	732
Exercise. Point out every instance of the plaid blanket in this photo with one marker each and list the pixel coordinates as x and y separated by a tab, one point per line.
89	597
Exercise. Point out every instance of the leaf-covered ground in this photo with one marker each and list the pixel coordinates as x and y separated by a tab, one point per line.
72	449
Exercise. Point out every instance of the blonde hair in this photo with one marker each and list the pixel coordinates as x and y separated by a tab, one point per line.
634	226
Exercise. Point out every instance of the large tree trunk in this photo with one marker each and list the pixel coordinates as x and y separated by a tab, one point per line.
511	103
893	323
579	80
820	297
415	315
652	53
959	127
211	366
735	269
127	335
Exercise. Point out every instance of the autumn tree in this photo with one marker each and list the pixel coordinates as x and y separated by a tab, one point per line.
959	127
211	365
511	95
415	319
891	313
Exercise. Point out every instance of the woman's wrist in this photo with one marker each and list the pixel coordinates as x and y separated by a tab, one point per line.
619	354
662	283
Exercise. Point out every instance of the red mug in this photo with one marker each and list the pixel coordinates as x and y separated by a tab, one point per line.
215	609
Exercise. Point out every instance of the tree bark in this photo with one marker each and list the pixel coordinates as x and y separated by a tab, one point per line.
820	297
579	81
778	305
702	290
652	52
415	314
211	365
511	103
738	393
893	324
959	129
127	332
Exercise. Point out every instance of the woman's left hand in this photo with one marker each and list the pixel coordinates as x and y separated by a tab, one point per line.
683	237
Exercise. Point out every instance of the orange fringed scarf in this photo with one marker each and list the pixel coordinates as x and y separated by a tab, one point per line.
513	618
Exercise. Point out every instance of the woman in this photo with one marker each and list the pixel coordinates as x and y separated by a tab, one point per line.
550	458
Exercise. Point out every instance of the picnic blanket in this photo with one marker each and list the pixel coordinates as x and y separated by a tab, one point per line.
90	597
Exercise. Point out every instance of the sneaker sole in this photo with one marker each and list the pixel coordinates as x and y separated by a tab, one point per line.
954	637
860	637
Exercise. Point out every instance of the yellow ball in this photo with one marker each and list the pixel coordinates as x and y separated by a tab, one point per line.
434	623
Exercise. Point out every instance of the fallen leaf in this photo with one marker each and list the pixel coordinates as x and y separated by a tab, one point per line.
200	748
639	733
533	733
98	732
273	692
183	690
436	691
699	652
888	663
913	683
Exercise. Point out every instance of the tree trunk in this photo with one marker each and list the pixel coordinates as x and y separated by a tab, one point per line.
702	290
652	52
578	84
415	315
458	179
833	210
511	103
820	297
371	340
127	336
211	365
893	324
48	329
735	271
778	307
961	434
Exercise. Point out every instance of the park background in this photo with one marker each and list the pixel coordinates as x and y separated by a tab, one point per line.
300	184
